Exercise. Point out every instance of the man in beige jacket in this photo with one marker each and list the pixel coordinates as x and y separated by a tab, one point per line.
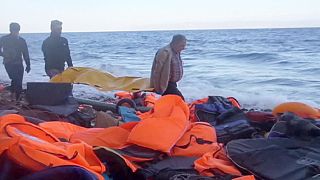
167	67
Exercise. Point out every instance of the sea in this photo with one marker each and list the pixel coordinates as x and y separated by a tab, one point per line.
260	67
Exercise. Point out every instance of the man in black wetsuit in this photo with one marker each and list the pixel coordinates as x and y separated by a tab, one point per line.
13	48
56	50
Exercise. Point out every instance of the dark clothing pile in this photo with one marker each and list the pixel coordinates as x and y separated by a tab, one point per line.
56	52
291	150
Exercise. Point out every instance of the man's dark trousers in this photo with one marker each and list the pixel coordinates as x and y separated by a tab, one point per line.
15	73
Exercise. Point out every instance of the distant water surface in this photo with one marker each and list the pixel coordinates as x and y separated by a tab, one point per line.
260	67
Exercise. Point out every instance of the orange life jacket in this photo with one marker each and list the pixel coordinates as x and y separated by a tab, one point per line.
298	108
62	130
234	102
247	177
112	137
161	128
215	160
35	148
123	94
129	125
199	139
150	100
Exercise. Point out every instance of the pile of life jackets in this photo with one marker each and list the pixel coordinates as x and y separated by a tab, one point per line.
35	148
209	138
162	135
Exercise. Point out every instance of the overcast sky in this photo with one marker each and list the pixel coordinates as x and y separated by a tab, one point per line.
130	15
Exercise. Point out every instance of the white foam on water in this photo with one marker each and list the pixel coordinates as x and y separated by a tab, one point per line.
88	92
192	89
119	70
3	74
257	100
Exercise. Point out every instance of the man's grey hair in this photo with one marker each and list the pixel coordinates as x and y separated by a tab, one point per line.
178	38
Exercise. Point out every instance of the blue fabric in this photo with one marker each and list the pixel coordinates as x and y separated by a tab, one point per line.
211	108
219	99
62	172
128	114
106	177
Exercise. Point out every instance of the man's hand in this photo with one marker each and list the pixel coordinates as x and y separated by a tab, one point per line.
28	68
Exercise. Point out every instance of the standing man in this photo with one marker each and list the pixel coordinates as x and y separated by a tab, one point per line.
13	48
56	50
167	67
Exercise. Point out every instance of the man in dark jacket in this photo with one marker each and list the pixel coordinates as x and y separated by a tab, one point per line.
56	51
13	48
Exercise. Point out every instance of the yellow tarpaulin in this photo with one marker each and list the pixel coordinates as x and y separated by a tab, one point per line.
103	81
